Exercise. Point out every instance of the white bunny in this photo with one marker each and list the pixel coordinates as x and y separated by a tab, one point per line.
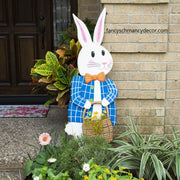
94	62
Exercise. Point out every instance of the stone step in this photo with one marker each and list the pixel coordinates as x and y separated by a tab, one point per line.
16	133
11	174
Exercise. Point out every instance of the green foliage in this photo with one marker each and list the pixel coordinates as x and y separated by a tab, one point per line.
46	173
55	73
80	150
71	32
69	155
173	154
146	157
102	172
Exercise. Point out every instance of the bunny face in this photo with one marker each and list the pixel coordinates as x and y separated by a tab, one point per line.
93	58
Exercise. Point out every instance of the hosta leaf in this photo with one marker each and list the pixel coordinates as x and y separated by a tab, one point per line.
178	166
130	162
51	59
44	70
124	134
39	62
159	168
61	74
144	160
60	85
51	87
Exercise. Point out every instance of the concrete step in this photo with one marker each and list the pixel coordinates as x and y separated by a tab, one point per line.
16	133
11	174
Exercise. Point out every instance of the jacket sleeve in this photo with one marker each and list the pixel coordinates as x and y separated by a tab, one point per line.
112	91
76	88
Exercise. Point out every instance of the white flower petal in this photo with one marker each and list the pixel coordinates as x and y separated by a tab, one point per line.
86	167
36	178
51	160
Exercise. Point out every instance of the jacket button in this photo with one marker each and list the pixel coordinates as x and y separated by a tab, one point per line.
90	113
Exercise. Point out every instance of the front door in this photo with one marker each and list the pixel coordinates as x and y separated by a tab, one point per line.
25	35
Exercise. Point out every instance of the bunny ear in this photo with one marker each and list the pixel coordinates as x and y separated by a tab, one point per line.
99	29
83	33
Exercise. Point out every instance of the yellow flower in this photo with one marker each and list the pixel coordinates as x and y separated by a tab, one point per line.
105	112
100	177
91	166
113	179
85	118
95	112
142	178
107	170
130	174
92	117
123	168
102	114
85	177
115	172
96	165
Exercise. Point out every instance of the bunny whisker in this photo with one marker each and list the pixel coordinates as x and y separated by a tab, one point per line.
92	66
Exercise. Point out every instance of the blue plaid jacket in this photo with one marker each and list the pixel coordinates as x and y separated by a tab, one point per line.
82	91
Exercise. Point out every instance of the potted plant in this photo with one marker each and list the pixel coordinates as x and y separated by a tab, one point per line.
55	73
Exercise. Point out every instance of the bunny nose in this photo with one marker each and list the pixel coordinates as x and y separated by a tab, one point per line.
104	63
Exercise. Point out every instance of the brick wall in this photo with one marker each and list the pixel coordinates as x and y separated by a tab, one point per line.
89	8
146	65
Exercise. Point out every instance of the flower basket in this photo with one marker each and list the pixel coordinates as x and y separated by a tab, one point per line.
100	127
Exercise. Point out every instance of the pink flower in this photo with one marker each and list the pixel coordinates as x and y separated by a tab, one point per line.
44	139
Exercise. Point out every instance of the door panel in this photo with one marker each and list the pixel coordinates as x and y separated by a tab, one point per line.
21	41
3	13
26	46
25	12
4	59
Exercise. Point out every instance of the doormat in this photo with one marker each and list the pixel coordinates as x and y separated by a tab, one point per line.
23	111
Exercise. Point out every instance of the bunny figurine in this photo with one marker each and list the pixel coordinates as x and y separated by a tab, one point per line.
94	63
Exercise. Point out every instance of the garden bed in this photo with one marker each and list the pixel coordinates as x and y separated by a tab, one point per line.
152	158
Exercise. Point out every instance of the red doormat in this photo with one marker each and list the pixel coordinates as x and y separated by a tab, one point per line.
23	111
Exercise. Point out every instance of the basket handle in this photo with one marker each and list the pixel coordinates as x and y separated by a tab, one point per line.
96	102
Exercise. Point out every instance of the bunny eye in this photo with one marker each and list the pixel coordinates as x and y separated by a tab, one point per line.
92	53
103	52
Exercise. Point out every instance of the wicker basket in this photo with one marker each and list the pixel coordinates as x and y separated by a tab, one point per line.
107	128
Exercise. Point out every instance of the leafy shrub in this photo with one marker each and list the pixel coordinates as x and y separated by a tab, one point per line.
46	173
92	171
71	32
172	159
69	155
80	150
55	73
146	157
